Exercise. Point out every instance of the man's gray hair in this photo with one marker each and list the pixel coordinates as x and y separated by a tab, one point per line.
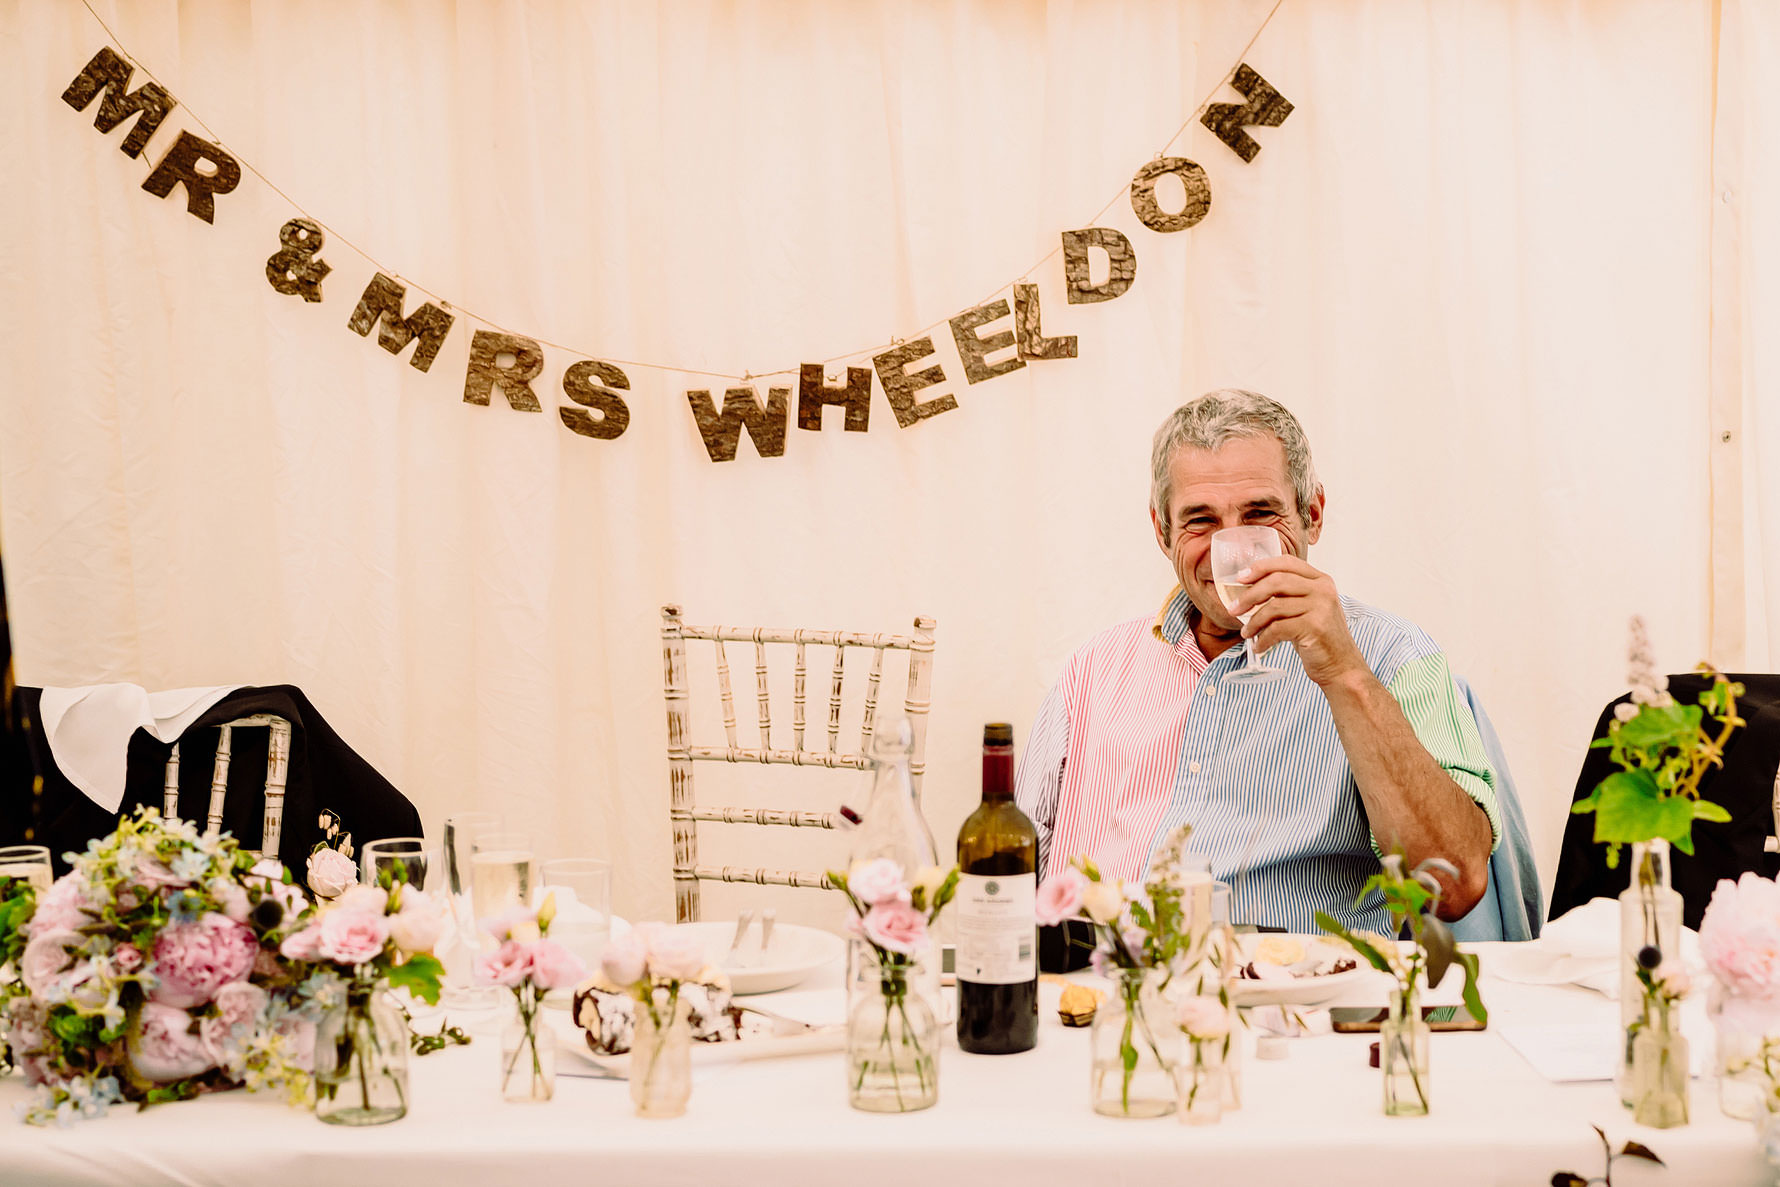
1213	419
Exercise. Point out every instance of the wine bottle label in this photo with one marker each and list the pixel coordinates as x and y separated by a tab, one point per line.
997	928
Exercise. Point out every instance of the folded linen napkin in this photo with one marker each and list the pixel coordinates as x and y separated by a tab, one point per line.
1580	947
88	729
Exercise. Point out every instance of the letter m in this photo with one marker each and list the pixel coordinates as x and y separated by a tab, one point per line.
383	301
110	73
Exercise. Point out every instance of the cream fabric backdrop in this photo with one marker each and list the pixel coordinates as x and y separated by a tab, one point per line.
1476	260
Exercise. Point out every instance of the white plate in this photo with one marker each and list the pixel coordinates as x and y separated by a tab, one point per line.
1311	990
796	952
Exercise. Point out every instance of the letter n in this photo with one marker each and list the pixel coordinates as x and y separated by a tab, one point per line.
383	301
109	72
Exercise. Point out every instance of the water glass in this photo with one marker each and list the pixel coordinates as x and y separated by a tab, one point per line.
459	950
583	923
503	871
419	866
29	862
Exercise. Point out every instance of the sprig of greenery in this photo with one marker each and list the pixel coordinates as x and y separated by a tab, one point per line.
1629	1150
1663	750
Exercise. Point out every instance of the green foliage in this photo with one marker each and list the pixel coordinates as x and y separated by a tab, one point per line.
419	974
1412	900
1630	1150
77	1029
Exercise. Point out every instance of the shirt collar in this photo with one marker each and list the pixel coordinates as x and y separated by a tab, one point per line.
1174	617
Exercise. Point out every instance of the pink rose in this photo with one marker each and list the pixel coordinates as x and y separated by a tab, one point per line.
877	881
330	872
238	1008
515	923
126	958
1204	1017
231	898
302	945
624	959
47	956
146	871
352	937
373	899
674	954
420	924
193	960
63	907
895	927
1740	937
555	967
162	1046
508	965
1061	896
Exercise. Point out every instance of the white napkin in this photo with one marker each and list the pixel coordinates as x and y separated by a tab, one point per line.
89	728
1580	947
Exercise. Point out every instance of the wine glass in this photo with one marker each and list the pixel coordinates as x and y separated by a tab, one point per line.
461	831
503	870
29	863
1232	551
583	923
419	866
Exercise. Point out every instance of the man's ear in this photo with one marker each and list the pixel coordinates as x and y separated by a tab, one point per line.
1313	517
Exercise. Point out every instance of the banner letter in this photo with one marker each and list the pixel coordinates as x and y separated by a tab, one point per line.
1143	194
514	379
1266	108
813	395
180	165
1028	336
1121	260
582	384
722	431
295	270
974	350
109	72
901	387
383	301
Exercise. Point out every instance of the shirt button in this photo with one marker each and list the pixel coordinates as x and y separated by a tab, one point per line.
1210	689
1192	768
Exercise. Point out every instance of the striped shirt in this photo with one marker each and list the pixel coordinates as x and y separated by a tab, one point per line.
1140	734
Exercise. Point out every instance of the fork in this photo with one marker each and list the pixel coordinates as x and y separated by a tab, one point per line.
768	917
742	921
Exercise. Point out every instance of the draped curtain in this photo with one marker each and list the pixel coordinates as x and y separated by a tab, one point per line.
1486	260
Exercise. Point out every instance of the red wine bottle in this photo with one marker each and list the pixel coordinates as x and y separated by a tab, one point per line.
997	951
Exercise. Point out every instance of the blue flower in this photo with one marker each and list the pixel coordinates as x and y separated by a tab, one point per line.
185	907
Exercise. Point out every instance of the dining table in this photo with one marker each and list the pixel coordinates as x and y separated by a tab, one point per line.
1309	1114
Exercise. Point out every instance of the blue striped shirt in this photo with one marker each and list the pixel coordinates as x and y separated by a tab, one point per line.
1260	772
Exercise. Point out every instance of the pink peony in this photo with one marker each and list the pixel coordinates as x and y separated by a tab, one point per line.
330	872
238	1009
554	967
624	959
65	906
877	881
508	965
46	957
231	898
895	927
162	1047
1740	937
1204	1017
373	899
1060	897
420	924
193	960
126	958
352	937
303	945
674	954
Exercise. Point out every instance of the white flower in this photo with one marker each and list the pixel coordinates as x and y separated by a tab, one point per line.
419	924
330	872
1103	901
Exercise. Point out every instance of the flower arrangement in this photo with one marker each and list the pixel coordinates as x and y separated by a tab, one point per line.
530	964
1740	945
653	963
1146	935
892	1041
152	972
1663	750
1412	899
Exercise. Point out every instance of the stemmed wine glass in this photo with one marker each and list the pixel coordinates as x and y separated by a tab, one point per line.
1232	551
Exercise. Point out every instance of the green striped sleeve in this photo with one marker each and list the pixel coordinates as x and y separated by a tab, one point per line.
1431	701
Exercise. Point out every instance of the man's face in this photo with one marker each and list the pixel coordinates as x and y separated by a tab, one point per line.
1244	482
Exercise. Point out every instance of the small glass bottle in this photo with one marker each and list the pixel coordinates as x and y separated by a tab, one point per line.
892	828
1403	1056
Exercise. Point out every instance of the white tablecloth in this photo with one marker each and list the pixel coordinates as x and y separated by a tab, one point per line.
1311	1118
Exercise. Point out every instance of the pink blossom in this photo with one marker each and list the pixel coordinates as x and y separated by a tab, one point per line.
1204	1017
46	957
1740	937
238	1005
303	945
126	958
231	898
508	965
146	871
554	967
372	899
625	958
895	927
420	924
193	960
162	1047
515	923
330	872
1061	896
674	954
877	881
65	906
352	937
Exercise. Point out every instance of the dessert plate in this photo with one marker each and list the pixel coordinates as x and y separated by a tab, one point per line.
1297	970
792	956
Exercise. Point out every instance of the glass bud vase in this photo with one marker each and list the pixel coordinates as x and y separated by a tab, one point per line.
528	1051
361	1060
1649	918
893	1043
661	1057
1659	1071
1748	1055
1403	1056
1201	1076
1136	1048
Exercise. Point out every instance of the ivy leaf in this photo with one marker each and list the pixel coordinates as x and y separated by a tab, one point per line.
1437	939
1707	810
420	975
1632	809
1473	1000
1639	1150
1657	727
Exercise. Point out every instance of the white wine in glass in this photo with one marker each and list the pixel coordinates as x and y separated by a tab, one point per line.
1232	551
